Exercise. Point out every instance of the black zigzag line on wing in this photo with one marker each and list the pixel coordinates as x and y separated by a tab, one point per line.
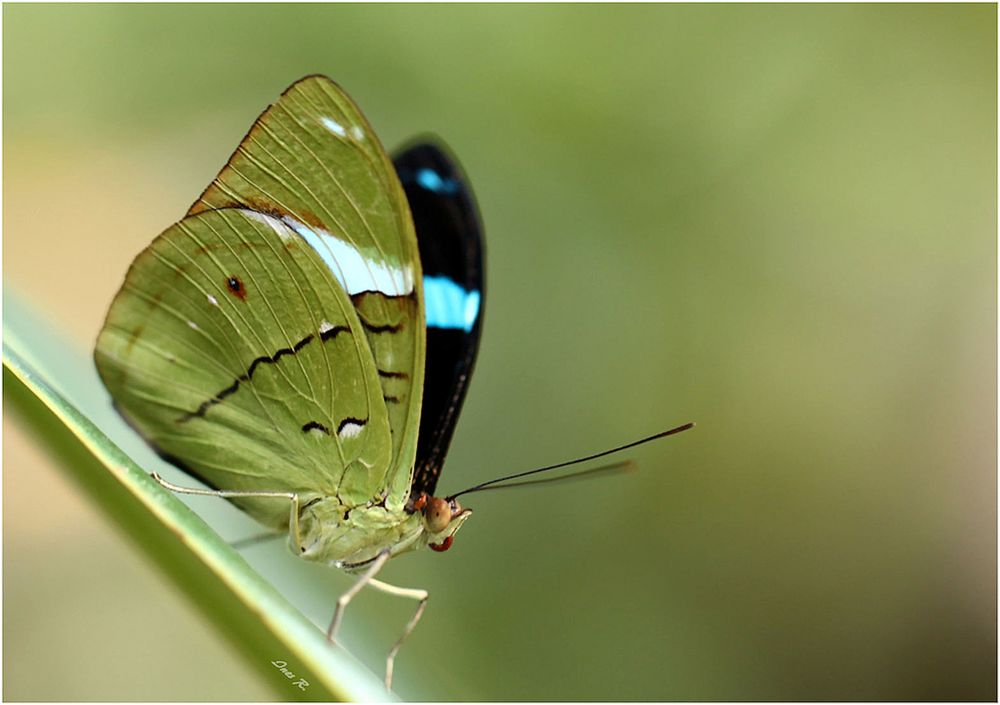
358	301
388	328
317	426
325	335
393	375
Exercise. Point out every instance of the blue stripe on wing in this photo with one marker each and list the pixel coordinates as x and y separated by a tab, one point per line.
433	181
448	305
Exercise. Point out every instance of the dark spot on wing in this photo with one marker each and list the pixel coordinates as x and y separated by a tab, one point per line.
236	288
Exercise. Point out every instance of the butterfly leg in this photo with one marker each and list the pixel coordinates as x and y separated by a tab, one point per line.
345	599
414	594
293	520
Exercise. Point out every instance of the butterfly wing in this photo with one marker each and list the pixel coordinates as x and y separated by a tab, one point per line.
207	348
313	161
449	235
232	347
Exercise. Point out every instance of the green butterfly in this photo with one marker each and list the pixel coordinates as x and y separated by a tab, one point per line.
274	343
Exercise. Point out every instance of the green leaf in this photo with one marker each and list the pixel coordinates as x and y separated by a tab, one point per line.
263	625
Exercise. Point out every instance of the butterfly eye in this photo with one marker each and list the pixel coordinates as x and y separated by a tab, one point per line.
437	513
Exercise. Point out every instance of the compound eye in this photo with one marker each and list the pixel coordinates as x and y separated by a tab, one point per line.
437	513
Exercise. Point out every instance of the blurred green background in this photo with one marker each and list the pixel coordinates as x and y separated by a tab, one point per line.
778	221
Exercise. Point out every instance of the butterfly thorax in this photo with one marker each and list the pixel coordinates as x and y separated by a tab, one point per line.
349	538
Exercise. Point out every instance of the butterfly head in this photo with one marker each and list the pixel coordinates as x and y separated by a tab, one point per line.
442	518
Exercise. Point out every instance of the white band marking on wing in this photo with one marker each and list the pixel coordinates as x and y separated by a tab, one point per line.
276	225
355	271
334	127
350	430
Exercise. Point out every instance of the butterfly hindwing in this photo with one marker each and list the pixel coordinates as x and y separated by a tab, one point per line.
449	235
313	162
231	346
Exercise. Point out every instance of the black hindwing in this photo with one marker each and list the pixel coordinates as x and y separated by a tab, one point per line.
449	235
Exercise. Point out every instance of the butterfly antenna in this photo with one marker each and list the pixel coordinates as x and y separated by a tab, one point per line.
618	468
633	444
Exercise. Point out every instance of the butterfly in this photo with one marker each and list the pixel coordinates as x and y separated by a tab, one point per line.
302	340
293	340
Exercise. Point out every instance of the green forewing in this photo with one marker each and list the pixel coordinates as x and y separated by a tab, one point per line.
312	159
273	340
